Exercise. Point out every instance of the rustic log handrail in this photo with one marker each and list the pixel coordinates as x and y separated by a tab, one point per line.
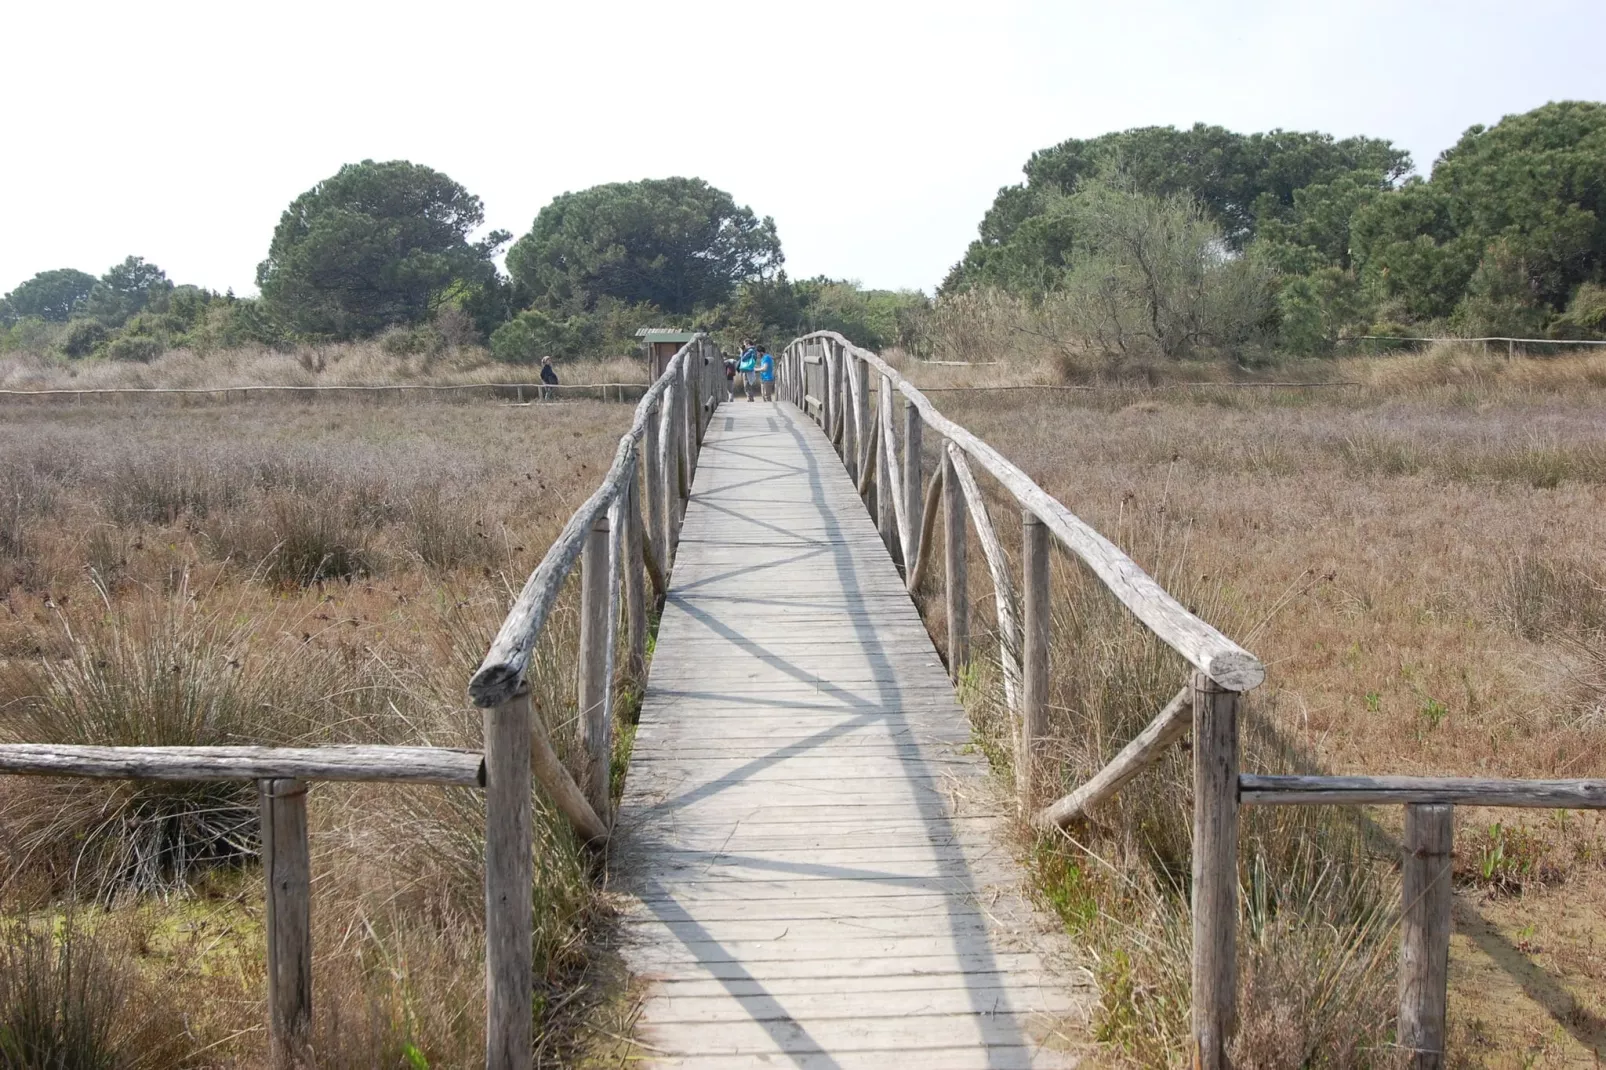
402	765
890	485
1198	642
1210	704
1256	790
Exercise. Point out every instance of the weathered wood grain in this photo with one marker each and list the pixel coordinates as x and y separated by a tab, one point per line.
1215	870
1004	602
928	529
510	729
1170	725
417	765
1255	790
287	872
1035	617
1425	932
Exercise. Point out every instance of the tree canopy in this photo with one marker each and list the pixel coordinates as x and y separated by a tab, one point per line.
376	245
677	244
1239	180
50	295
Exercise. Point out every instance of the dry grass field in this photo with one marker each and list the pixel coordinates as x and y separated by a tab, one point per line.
281	573
366	363
1420	561
1417	556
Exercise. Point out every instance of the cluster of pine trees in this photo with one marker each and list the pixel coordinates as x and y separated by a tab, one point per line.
1181	241
1153	241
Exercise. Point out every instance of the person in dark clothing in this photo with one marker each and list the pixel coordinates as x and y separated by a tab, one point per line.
549	378
730	378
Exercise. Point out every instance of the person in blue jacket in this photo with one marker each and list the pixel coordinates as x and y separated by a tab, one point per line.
747	367
766	372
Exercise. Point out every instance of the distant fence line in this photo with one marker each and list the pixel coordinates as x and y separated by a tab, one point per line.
520	392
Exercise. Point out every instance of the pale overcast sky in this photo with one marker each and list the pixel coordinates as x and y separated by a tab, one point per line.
876	133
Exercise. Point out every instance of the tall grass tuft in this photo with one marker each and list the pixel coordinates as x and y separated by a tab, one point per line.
171	674
67	1004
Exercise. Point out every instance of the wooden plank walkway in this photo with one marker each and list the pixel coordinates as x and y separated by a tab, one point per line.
813	860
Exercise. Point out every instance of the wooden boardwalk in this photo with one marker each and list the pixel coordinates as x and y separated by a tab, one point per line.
815	866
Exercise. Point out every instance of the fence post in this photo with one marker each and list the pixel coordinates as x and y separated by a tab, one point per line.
850	413
596	636
287	867
1215	870
635	570
861	374
1034	658
688	423
654	511
1425	932
912	489
955	583
886	459
509	881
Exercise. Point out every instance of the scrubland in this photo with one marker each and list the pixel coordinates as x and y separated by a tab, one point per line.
270	573
363	363
1418	559
1417	556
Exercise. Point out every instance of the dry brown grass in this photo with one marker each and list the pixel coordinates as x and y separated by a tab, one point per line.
283	573
1419	563
337	364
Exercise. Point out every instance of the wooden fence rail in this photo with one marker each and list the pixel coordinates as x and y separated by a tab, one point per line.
622	537
282	775
828	377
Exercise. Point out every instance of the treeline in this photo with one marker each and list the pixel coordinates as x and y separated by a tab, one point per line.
1153	242
1159	241
385	250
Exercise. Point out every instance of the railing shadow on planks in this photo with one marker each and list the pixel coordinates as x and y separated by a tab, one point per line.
829	378
609	536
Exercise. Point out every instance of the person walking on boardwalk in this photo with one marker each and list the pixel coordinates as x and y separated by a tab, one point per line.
766	373
748	366
549	378
730	378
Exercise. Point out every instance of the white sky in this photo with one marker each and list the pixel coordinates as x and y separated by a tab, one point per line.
876	133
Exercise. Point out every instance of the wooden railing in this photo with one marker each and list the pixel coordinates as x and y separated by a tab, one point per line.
622	536
282	775
829	378
610	538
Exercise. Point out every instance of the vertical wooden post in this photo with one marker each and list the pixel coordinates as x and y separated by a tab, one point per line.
885	512
1215	870
1034	658
1425	932
850	413
827	402
912	482
688	417
596	636
955	581
635	570
509	882
861	373
287	867
655	511
1511	348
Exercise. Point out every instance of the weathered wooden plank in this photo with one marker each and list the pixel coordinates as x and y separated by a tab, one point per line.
1425	932
804	806
287	868
418	765
1169	726
1472	791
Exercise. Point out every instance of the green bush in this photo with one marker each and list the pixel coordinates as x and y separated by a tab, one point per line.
142	348
83	337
